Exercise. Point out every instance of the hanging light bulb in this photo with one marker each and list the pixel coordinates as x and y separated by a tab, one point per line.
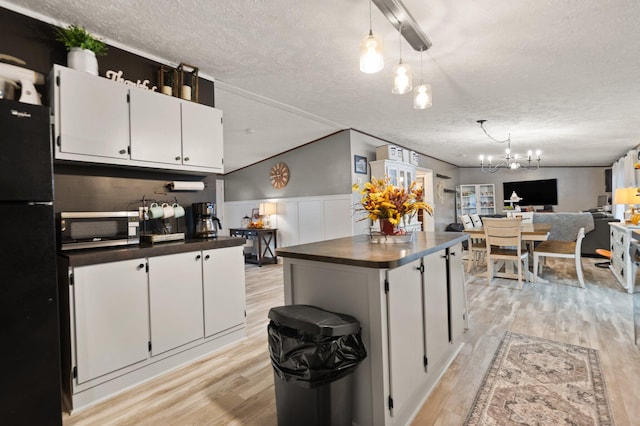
422	98
371	60
422	94
402	82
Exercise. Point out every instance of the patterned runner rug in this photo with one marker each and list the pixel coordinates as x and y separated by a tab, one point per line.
533	381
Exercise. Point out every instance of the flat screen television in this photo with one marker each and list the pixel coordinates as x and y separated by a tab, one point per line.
541	192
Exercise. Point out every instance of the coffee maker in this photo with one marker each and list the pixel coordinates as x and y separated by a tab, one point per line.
206	222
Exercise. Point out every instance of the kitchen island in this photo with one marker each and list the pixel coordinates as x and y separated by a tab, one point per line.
411	303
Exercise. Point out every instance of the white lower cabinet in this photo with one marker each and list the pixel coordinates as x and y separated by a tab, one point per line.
423	299
127	321
111	317
223	288
175	300
458	296
406	333
622	265
418	329
436	308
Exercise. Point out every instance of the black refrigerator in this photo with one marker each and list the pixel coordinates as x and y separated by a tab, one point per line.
29	330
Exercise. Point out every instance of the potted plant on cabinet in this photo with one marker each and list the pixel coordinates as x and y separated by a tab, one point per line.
82	47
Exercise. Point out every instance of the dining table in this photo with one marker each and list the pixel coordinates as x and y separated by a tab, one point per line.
531	232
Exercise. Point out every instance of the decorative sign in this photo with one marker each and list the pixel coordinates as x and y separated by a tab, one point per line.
117	76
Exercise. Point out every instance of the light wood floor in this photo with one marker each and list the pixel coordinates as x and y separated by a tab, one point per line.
235	385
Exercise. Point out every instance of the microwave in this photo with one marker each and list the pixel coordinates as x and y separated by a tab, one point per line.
79	230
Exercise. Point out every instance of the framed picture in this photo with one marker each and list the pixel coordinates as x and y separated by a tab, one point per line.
360	164
255	214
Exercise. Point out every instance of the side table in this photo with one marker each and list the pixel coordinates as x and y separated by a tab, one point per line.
265	242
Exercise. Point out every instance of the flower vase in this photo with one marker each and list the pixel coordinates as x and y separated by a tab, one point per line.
387	227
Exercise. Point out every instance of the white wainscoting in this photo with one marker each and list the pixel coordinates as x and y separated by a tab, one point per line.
300	220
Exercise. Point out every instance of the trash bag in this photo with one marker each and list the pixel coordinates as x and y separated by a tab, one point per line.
315	358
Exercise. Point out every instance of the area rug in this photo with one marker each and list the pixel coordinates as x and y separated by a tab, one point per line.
533	381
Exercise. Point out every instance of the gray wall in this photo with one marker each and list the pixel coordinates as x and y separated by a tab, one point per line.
325	167
322	167
578	187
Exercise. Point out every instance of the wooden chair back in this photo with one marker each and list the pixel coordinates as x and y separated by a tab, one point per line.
504	242
503	232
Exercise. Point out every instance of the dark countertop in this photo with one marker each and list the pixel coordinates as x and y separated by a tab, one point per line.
359	251
113	254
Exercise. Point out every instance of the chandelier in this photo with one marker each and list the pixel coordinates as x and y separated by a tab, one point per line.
511	160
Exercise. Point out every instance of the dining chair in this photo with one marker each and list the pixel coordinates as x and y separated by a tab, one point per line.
562	249
503	238
466	221
475	219
477	248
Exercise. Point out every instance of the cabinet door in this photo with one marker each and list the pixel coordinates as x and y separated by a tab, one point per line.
436	307
406	335
111	316
457	292
201	136
155	128
92	115
175	300
393	174
224	295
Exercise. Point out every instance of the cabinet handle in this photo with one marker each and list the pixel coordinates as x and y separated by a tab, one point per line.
198	257
207	257
177	158
141	266
186	158
122	151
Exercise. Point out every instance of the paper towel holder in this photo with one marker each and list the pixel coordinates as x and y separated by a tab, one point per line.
186	186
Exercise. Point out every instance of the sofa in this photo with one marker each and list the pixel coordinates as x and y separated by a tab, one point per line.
600	236
565	227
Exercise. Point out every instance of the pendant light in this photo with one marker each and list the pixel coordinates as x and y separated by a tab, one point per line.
422	94
371	60
402	72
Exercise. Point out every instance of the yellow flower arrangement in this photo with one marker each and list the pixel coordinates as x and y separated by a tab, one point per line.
381	200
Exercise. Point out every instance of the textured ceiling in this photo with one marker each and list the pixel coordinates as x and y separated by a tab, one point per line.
558	75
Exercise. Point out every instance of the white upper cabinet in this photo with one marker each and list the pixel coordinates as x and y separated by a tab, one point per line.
155	128
201	136
92	116
101	121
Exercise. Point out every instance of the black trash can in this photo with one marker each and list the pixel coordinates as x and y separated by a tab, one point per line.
314	353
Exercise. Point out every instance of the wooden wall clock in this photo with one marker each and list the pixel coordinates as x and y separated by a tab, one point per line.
279	175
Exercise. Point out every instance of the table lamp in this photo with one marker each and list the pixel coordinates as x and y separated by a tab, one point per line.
266	210
628	196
